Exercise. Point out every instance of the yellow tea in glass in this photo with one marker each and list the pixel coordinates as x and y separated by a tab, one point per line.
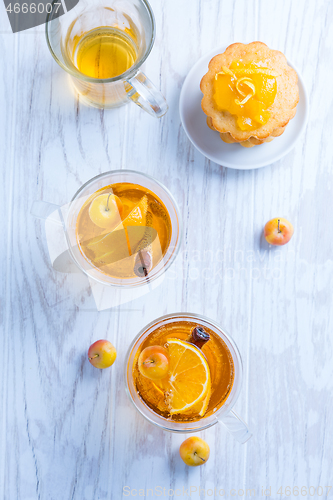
183	371
124	230
104	52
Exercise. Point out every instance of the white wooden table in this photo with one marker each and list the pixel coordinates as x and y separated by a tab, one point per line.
68	430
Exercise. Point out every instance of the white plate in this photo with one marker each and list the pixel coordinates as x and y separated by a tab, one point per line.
209	143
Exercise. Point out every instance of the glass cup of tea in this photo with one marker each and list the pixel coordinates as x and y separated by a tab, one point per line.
122	228
103	45
183	373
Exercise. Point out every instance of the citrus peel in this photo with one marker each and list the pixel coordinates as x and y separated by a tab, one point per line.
225	71
245	81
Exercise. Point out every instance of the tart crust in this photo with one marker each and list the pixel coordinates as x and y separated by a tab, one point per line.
282	110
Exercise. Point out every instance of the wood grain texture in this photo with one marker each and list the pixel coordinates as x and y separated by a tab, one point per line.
67	430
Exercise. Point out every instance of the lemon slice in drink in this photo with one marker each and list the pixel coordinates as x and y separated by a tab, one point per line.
189	381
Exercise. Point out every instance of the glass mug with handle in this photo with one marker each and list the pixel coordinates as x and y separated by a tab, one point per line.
122	228
103	45
200	383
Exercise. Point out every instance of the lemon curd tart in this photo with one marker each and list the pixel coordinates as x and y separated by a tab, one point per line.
250	94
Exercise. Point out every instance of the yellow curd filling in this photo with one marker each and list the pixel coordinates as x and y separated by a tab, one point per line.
246	91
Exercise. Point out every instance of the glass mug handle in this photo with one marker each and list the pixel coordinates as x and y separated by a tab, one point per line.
236	427
143	93
43	210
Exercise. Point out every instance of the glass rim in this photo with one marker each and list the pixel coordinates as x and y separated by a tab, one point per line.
165	426
132	71
173	256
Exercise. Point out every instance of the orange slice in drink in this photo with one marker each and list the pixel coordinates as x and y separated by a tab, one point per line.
188	383
205	403
200	408
105	246
137	216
